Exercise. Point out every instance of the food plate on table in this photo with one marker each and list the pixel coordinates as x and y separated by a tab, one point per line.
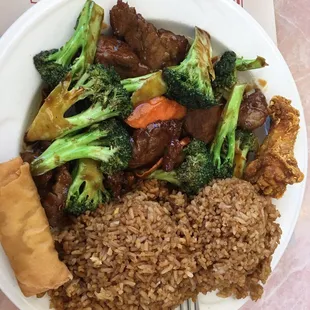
194	56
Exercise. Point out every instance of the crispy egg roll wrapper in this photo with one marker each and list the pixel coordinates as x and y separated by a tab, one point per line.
25	234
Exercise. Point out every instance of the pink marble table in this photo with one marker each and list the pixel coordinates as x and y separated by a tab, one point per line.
289	286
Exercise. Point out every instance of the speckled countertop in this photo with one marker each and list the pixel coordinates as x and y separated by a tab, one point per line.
289	286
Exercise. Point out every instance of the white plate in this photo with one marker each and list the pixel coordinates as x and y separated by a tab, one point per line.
50	23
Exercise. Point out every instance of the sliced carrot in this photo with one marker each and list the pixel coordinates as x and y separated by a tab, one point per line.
156	109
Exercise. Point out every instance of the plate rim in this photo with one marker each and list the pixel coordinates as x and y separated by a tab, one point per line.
36	12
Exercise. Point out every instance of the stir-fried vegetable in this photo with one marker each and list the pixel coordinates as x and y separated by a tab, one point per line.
157	109
246	142
101	144
107	142
250	64
77	53
196	171
226	71
86	192
190	82
100	85
145	87
226	134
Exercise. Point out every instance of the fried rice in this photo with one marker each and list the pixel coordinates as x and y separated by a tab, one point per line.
156	248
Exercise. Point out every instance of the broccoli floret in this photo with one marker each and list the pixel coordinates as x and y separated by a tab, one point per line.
190	82
77	53
107	142
246	142
86	191
196	171
226	130
226	71
100	85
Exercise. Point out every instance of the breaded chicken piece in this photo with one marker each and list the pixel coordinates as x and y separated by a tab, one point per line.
275	165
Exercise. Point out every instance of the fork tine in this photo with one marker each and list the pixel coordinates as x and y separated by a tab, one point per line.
181	307
197	304
189	304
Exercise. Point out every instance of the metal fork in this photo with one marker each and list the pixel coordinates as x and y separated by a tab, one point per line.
189	305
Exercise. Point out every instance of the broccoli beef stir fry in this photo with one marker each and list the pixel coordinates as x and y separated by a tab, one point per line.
141	103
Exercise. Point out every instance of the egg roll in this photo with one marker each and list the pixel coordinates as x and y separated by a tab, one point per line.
25	233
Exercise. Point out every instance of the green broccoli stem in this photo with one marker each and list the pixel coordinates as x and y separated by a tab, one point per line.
84	82
70	148
92	115
162	175
227	126
231	142
132	84
100	85
250	64
96	113
50	161
84	40
66	53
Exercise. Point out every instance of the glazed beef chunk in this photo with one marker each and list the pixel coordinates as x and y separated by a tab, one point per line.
116	53
55	199
120	183
156	49
253	111
173	155
176	45
202	123
52	186
149	144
